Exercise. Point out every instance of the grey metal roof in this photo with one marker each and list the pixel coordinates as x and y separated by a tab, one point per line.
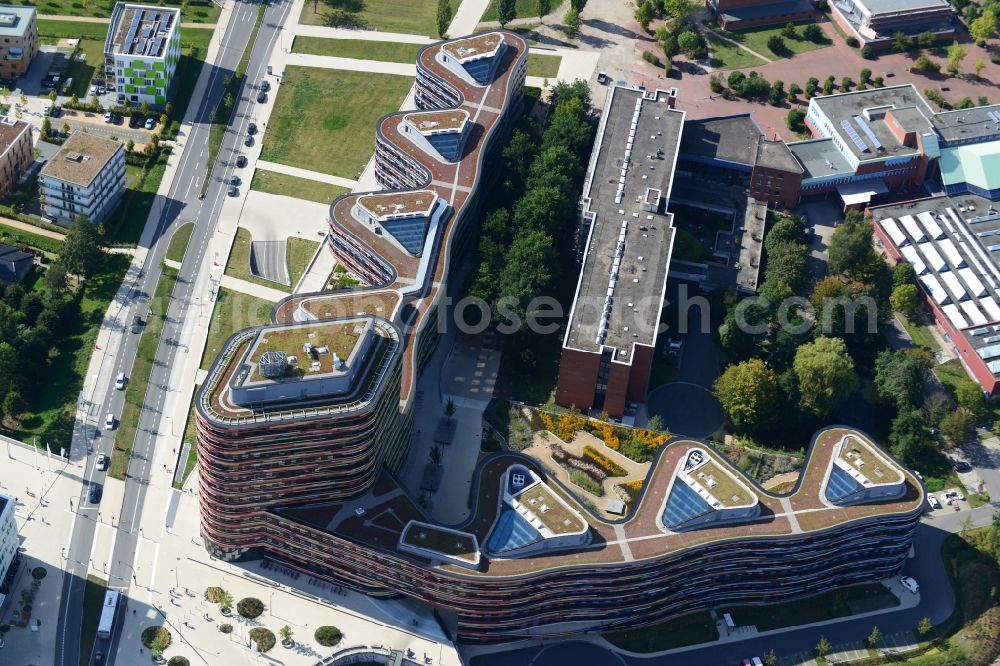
876	7
729	138
819	158
967	124
875	101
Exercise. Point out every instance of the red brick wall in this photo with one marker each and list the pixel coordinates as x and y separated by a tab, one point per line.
577	378
638	381
785	191
618	385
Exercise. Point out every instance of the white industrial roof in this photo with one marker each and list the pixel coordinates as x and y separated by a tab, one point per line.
973	313
951	253
897	236
930	225
933	257
954	315
975	285
912	228
934	288
910	254
954	286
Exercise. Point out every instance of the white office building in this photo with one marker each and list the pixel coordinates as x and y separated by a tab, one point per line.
9	543
86	177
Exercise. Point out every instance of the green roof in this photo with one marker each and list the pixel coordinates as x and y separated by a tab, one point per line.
977	164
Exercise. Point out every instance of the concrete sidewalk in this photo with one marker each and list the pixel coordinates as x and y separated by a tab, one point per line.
299	172
95	19
253	289
369	35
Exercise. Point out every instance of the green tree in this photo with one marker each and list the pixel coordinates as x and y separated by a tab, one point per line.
544	7
528	269
736	80
813	33
542	208
925	626
225	600
788	229
655	423
904	273
787	264
690	43
750	395
444	16
81	249
777	45
645	13
983	28
851	244
789	32
577	5
46	128
435	455
958	426
825	373
874	638
796	120
286	634
568	127
14	403
55	278
979	65
956	54
777	93
925	65
905	299
901	42
822	647
900	376
506	11
449	408
926	39
969	396
678	10
910	440
770	658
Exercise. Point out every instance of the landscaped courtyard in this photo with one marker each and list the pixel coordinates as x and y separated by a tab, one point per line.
324	120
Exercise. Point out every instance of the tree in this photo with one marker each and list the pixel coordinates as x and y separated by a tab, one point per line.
749	393
529	268
655	423
81	248
905	299
909	439
969	396
55	278
435	455
925	626
979	65
690	43
789	32
900	376
956	427
822	647
577	5
144	108
866	75
901	42
506	11
874	638
904	273
444	16
449	408
851	244
65	129
53	96
813	33
14	403
796	120
925	65
129	146
225	601
679	10
736	80
984	27
777	45
544	7
956	54
286	634
926	39
788	229
46	128
825	374
159	644
755	87
644	14
777	93
787	264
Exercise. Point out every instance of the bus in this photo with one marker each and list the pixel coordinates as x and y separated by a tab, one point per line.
107	624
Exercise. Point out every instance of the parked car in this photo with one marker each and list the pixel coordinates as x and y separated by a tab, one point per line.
909	584
234	181
102	462
93	89
150	123
241	161
137	323
933	501
261	97
233	192
134	121
94	493
101	90
248	141
109	422
265	86
252	128
98	657
108	117
120	381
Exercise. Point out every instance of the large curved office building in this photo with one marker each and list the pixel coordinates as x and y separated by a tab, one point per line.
302	423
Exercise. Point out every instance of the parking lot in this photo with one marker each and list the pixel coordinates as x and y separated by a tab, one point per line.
949	499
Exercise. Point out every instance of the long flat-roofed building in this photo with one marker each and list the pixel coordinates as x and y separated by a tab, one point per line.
611	336
141	53
875	22
86	177
950	243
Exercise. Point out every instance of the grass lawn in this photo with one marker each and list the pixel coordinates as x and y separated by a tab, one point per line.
234	311
320	108
523	9
50	415
273	182
125	225
93	600
359	49
300	253
821	607
200	11
415	17
543	65
688	629
920	333
188	436
756	39
179	242
138	381
726	56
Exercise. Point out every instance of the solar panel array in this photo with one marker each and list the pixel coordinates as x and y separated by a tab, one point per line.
683	505
994	116
855	137
868	132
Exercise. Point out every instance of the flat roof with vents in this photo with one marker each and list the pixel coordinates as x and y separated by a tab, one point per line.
15	21
81	158
620	292
141	30
478	46
436	122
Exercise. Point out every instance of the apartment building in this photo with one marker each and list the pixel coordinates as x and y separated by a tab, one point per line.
86	177
16	152
141	53
876	22
18	39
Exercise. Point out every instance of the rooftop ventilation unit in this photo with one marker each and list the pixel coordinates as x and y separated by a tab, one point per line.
273	364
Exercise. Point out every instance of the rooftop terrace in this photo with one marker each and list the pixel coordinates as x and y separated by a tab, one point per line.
550	511
447	542
473	47
325	340
81	158
398	204
432	122
862	458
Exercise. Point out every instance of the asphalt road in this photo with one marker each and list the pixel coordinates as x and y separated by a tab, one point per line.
180	206
936	602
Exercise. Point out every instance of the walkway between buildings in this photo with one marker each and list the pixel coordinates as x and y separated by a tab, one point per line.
95	19
306	173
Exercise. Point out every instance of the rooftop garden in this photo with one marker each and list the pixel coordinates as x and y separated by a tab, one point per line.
338	339
550	510
722	485
447	542
860	457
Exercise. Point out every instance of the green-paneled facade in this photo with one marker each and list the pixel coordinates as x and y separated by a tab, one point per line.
147	79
